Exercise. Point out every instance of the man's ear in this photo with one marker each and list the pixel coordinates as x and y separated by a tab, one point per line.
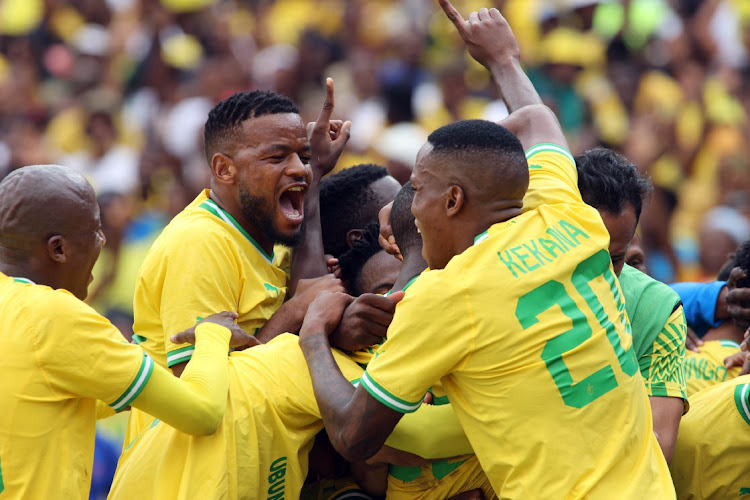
223	169
353	235
57	249
455	201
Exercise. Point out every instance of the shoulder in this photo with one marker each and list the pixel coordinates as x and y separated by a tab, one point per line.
638	286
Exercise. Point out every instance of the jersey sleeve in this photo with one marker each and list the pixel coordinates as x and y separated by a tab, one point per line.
293	377
81	353
553	177
431	432
201	278
418	353
662	366
195	402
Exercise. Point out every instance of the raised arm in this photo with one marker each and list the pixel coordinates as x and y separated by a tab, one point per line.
491	42
327	139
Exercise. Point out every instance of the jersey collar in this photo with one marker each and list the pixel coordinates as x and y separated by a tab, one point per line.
481	237
211	206
407	285
19	279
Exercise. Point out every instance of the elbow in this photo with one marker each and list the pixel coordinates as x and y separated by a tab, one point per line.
535	113
354	448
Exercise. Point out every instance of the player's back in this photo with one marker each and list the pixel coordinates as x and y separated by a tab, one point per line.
261	447
550	344
528	325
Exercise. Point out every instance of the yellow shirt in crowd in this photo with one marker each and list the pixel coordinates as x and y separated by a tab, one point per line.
706	368
525	335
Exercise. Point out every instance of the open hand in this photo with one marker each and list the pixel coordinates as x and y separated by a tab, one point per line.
240	338
327	137
487	34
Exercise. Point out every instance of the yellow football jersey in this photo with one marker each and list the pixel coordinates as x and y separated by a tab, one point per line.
438	480
261	447
203	262
525	334
706	368
57	358
710	457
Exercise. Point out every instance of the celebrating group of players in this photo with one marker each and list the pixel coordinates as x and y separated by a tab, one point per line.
524	358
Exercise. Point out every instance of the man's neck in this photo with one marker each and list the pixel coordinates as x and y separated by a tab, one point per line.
226	203
413	266
15	270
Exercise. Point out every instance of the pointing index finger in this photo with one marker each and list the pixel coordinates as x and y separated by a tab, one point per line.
327	110
453	15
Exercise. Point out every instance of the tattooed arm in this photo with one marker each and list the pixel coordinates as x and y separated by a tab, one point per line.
357	424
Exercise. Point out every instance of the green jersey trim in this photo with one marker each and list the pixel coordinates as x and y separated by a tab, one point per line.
219	212
378	392
138	340
481	237
140	381
410	282
741	393
407	285
405	473
23	280
180	355
549	148
729	343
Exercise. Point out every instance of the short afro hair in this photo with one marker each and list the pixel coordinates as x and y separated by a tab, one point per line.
353	260
225	119
402	222
608	181
475	135
484	155
346	203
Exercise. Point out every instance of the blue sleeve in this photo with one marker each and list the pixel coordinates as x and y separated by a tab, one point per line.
699	303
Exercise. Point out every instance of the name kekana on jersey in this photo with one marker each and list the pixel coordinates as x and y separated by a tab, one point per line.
538	252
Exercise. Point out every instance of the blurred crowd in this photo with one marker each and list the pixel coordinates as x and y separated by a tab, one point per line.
120	90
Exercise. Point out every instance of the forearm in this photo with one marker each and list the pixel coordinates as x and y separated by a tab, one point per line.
431	432
308	259
515	87
352	427
194	403
288	318
667	413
